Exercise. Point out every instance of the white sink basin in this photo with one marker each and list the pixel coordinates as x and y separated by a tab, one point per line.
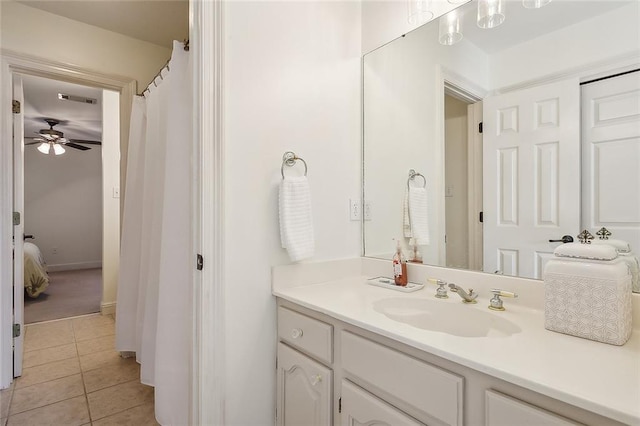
440	316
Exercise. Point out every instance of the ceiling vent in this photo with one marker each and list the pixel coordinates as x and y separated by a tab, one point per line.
81	99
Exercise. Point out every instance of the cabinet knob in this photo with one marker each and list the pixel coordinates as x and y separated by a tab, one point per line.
296	333
316	379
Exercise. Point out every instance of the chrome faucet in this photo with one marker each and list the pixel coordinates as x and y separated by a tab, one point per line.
466	297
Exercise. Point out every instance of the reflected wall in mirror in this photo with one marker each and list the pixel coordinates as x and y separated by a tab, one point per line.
558	151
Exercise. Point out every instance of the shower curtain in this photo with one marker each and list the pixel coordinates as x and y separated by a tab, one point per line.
154	309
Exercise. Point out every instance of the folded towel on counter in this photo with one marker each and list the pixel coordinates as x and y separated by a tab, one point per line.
418	215
586	251
621	246
296	222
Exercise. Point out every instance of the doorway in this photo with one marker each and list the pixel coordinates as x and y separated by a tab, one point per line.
63	199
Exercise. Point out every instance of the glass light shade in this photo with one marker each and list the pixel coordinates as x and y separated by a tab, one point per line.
450	28
44	147
490	13
419	11
457	1
535	4
58	149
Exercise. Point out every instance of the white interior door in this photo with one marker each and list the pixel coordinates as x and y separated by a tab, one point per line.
611	157
18	229
531	168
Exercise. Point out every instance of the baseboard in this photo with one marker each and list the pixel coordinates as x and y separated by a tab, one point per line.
74	266
108	308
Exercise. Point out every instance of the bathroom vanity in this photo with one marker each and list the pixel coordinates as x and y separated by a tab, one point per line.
350	353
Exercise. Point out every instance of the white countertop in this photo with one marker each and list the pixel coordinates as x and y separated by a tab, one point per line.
594	376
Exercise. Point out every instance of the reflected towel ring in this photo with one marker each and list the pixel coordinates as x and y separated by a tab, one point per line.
412	175
289	158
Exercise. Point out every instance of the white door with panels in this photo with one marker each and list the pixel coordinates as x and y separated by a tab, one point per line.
611	157
18	228
531	174
304	390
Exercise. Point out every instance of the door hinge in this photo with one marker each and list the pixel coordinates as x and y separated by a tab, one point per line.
15	107
199	262
340	405
480	127
481	217
16	330
16	218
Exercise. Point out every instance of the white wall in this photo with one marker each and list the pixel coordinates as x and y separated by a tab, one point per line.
403	111
292	82
38	33
602	39
110	199
456	192
63	206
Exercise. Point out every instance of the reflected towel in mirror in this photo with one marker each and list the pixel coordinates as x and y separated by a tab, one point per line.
296	222
418	216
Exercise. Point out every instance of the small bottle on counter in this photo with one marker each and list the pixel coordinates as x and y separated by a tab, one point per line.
399	266
416	256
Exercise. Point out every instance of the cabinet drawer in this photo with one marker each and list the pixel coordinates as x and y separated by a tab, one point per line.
503	410
359	407
433	391
308	334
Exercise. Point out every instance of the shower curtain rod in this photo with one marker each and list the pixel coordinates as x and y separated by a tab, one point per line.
159	73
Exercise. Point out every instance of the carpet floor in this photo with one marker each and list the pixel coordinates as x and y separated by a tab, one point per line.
70	293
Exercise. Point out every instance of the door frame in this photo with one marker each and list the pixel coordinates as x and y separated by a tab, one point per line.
17	63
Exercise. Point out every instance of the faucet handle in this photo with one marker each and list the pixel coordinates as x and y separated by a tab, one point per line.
441	292
496	303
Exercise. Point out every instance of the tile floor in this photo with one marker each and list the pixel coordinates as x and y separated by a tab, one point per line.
72	375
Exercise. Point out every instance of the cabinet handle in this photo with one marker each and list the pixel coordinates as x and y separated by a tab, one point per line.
296	333
316	379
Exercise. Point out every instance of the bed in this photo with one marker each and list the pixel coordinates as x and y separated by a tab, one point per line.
36	279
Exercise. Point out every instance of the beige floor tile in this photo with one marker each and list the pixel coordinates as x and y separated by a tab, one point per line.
110	375
71	412
102	359
96	345
92	332
42	394
46	335
44	356
5	400
92	322
118	398
46	372
143	415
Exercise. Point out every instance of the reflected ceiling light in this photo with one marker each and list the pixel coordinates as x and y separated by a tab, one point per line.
44	147
450	32
490	13
535	4
457	1
58	149
419	11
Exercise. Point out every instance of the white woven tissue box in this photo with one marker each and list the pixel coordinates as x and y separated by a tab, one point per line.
588	298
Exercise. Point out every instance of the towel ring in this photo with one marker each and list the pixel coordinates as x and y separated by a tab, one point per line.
413	174
289	158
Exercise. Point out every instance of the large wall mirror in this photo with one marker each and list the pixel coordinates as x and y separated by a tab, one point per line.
559	149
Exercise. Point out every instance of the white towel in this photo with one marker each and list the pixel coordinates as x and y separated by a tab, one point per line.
418	215
296	222
406	224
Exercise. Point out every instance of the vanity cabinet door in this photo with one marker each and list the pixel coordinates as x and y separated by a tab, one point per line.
304	390
359	407
503	410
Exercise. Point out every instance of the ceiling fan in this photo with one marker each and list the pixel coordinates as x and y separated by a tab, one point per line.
54	139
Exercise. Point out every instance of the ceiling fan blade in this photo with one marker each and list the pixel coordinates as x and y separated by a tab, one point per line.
85	141
76	146
36	142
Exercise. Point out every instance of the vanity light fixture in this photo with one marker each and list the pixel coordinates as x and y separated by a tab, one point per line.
450	28
535	4
490	13
419	11
457	1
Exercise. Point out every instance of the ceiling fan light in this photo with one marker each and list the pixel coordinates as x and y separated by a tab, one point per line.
44	147
58	149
